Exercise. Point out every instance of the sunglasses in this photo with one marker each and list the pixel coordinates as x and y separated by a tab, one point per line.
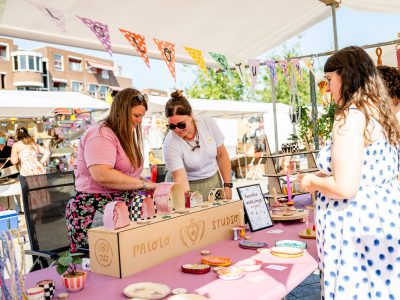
180	125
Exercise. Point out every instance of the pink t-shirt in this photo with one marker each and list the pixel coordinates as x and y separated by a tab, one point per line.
100	146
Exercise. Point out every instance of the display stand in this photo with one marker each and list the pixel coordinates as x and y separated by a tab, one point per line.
272	165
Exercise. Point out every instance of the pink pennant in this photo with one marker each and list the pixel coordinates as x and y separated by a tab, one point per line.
53	14
168	53
254	65
296	64
284	66
101	31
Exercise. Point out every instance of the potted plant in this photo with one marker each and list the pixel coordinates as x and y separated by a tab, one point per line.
73	279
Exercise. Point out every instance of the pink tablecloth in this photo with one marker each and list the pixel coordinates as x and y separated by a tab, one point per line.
261	285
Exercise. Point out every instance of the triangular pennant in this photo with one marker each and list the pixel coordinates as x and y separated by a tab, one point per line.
197	56
138	42
309	63
168	53
254	65
54	14
240	67
101	31
284	66
221	60
296	63
272	69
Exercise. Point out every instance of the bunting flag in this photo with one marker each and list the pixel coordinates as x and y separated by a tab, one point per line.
284	66
3	5
101	31
254	65
309	63
138	42
168	53
53	14
240	67
197	56
296	64
221	60
272	69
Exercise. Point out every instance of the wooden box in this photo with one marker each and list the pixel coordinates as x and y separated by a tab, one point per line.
129	250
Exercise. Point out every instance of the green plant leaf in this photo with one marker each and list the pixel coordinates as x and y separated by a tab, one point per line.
61	269
65	260
77	260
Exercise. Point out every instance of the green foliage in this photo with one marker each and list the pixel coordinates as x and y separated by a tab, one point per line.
67	261
305	126
325	121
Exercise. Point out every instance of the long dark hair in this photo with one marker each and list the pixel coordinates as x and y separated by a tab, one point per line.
362	87
177	105
119	121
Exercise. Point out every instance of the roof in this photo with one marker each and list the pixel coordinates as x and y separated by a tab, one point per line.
33	104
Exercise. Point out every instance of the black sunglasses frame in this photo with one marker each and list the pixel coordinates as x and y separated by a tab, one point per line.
180	125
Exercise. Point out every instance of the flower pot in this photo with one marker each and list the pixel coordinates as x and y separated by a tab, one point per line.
74	283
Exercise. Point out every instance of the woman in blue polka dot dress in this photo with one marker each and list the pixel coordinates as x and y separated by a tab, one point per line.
358	205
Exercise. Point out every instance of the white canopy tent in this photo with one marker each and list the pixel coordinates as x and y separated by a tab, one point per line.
32	104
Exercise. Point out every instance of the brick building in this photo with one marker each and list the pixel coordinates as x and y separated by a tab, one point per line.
53	69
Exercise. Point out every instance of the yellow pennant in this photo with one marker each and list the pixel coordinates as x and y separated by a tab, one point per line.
197	56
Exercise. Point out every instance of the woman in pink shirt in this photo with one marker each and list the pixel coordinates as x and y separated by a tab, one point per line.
108	164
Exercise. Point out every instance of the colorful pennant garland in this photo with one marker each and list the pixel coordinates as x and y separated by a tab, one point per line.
53	14
240	67
254	65
309	63
100	30
221	60
272	69
284	66
198	58
168	53
138	42
296	65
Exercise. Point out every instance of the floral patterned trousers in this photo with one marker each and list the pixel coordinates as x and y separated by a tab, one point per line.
80	212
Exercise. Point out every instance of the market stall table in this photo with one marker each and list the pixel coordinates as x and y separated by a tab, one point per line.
260	285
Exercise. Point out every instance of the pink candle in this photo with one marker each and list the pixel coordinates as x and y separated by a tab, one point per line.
289	189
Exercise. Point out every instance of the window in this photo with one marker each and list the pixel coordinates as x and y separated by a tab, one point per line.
76	86
22	62
75	64
31	63
92	89
3	52
3	81
92	70
58	62
103	92
59	86
27	61
105	74
16	66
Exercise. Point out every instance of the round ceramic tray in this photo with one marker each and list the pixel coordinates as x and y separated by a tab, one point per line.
217	261
287	252
245	244
298	214
196	268
250	265
147	290
308	235
231	273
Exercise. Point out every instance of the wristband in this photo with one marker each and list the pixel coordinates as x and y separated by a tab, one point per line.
228	184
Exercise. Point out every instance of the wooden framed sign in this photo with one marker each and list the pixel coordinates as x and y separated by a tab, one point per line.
255	207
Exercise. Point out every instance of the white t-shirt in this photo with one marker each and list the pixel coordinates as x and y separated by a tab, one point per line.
200	163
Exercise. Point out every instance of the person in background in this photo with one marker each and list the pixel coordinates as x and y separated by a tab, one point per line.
26	152
5	153
194	150
391	78
358	200
108	164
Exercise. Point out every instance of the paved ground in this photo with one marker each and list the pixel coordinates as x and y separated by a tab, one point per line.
309	289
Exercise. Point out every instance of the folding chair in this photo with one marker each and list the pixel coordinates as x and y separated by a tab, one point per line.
45	198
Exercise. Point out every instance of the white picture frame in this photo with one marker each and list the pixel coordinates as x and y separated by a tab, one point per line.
255	207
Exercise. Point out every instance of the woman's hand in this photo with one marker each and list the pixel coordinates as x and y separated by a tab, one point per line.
306	182
149	185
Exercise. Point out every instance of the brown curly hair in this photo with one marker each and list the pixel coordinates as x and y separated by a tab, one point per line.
362	87
391	78
177	105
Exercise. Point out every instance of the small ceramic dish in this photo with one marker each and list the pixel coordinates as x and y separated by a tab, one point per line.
218	261
250	265
245	244
196	268
231	273
291	243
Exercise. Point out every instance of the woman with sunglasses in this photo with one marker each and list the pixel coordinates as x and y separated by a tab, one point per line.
108	164
194	150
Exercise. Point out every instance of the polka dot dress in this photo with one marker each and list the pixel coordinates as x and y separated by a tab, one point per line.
359	239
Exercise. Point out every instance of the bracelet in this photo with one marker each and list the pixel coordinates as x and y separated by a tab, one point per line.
144	184
228	184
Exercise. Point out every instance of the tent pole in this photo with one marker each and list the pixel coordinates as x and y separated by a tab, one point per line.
274	113
335	37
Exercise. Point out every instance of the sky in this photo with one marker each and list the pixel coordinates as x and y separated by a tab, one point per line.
353	27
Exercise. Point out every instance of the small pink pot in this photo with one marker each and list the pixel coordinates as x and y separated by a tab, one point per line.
74	284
